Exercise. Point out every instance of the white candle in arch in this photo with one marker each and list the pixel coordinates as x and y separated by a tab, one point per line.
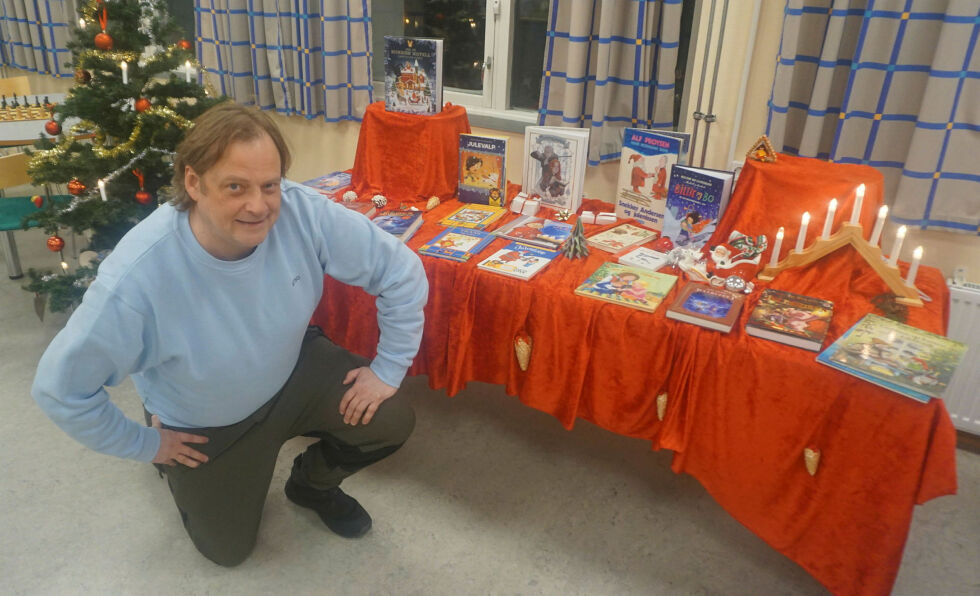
897	246
828	223
858	202
914	268
801	237
879	225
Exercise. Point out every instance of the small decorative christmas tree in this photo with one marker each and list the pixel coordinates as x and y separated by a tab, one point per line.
576	246
132	109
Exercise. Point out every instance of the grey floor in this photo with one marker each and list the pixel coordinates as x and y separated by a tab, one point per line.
488	497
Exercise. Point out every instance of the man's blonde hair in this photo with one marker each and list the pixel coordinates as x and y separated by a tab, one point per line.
212	133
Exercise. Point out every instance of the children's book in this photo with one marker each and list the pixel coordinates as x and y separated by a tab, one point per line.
643	257
482	164
621	237
413	75
331	184
401	223
366	208
645	165
627	286
898	357
696	200
474	216
554	165
701	304
458	244
537	231
518	260
793	319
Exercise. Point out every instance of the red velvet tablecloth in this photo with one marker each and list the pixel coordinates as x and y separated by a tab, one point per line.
740	409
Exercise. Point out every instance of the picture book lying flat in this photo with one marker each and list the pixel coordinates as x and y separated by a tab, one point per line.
627	286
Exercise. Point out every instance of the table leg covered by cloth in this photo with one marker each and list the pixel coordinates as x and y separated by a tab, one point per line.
740	410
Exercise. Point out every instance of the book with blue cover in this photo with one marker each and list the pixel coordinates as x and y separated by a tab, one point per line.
537	231
457	244
413	75
519	260
330	184
482	170
401	223
645	165
696	201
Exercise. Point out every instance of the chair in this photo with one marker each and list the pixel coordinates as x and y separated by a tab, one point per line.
13	172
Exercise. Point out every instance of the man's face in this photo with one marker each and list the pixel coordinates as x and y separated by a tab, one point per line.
236	202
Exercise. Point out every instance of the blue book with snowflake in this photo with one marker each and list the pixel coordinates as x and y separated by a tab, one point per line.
413	75
696	200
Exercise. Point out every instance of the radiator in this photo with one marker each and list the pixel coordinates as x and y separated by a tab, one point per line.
962	396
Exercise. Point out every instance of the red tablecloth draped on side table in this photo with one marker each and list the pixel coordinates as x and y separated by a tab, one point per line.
740	409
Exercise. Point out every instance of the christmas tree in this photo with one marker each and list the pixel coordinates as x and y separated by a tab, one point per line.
133	98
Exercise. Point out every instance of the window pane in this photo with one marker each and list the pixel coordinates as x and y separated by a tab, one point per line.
530	33
460	23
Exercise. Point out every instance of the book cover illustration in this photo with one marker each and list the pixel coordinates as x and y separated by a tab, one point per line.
899	357
537	231
518	260
554	165
644	257
627	286
713	308
474	216
482	170
621	237
696	200
791	318
645	165
458	244
330	184
400	223
413	75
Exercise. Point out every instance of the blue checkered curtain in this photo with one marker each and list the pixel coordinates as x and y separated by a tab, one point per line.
34	35
892	84
609	64
296	57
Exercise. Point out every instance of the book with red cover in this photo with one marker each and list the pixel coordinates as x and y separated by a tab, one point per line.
792	319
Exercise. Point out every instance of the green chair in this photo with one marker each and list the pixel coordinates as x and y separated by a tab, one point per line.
13	172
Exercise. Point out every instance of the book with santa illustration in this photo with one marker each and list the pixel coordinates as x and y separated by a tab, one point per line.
645	165
696	200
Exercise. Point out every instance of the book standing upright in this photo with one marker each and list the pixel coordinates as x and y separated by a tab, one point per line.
413	75
696	200
482	170
645	166
555	159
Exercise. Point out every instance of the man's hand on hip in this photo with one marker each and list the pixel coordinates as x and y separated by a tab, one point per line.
363	399
174	448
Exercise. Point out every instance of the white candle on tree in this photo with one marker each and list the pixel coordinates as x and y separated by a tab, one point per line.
801	237
897	246
187	71
81	23
102	190
879	225
125	71
858	202
828	223
914	269
774	258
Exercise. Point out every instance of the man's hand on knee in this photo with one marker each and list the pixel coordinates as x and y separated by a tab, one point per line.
174	448
363	399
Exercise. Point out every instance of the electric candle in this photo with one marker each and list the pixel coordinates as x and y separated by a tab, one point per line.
897	246
829	222
916	257
858	201
125	71
801	237
102	190
81	23
187	71
876	232
64	266
774	258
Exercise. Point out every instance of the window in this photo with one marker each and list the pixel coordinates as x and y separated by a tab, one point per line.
492	49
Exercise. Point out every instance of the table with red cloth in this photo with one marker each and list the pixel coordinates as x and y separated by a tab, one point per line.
740	410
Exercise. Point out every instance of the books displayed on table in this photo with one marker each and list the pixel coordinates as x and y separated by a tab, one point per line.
627	286
366	208
536	231
645	165
401	223
643	257
621	237
793	319
701	304
331	184
474	216
554	165
413	75
457	244
696	200
518	260
482	170
904	359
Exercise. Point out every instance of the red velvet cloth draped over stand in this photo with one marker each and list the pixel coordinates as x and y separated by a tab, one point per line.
740	409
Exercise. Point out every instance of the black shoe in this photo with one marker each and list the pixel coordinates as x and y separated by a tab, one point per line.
341	512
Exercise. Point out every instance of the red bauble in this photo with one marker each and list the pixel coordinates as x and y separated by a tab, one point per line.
103	41
55	243
143	197
75	187
82	76
184	44
142	104
38	201
52	128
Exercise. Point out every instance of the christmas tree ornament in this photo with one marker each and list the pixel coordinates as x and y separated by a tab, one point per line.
102	40
142	197
432	204
52	128
184	45
811	459
349	197
82	76
379	201
563	215
55	243
762	151
76	187
576	246
38	201
142	104
522	351
661	406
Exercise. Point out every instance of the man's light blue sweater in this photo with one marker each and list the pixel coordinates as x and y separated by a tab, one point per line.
207	341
